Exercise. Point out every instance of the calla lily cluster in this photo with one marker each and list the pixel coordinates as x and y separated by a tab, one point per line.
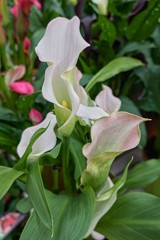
112	131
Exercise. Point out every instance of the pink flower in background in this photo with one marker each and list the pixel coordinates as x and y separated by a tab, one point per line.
22	87
26	45
25	6
35	116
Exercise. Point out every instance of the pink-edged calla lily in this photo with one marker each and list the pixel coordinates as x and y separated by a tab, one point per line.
35	116
110	137
44	143
107	101
22	87
60	47
14	74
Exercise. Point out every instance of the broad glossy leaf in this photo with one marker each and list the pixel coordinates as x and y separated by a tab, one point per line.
37	194
134	216
143	174
72	214
144	23
108	30
35	229
113	68
7	115
9	136
7	177
77	156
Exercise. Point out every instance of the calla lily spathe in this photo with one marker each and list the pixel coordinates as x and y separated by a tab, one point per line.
107	101
62	43
44	143
60	47
110	137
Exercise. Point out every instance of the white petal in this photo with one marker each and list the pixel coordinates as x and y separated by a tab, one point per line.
92	113
106	100
44	143
61	43
54	88
97	236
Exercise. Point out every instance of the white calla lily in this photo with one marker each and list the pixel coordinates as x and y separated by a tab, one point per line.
62	43
44	143
61	46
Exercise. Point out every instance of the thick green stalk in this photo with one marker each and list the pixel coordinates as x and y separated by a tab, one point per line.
65	165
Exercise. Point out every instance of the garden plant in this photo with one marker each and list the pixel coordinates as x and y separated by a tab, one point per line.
79	120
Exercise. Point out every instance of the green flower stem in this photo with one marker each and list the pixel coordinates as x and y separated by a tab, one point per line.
65	165
3	57
6	94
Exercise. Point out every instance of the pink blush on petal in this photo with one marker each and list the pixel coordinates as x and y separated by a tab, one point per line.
22	87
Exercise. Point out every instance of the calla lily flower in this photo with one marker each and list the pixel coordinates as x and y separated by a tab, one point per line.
110	137
60	47
62	43
44	143
22	87
107	101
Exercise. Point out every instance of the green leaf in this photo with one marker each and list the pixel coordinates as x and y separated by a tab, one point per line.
143	174
134	216
106	197
24	205
118	185
128	105
9	136
151	99
75	147
72	214
21	164
50	158
35	19
113	68
108	30
35	229
37	194
144	23
7	177
7	115
25	103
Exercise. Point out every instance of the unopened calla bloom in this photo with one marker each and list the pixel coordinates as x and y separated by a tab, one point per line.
35	116
60	47
45	142
102	6
22	87
107	101
110	137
